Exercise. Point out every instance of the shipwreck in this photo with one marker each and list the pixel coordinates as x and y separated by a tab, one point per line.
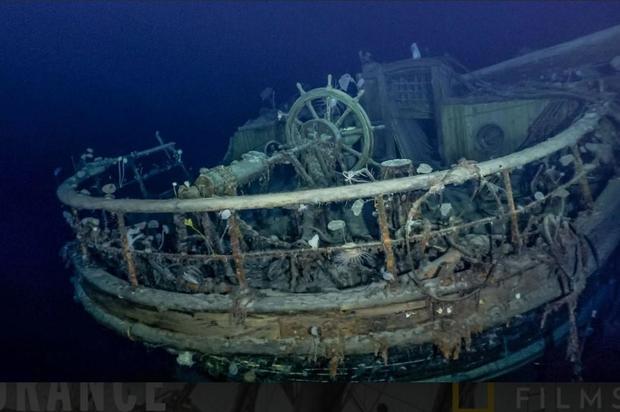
417	222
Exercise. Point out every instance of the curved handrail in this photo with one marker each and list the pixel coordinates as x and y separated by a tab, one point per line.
69	196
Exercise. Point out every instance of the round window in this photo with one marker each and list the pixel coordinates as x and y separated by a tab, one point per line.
490	138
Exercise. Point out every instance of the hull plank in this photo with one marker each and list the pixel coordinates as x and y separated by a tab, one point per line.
281	344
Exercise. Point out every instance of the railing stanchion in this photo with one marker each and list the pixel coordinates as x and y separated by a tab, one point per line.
514	231
78	235
180	230
583	181
235	235
390	260
131	265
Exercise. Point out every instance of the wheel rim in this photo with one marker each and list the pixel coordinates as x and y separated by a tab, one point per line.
333	116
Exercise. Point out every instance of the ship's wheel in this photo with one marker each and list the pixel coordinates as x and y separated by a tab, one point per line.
334	117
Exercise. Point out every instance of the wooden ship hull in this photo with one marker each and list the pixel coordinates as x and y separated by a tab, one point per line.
511	334
365	270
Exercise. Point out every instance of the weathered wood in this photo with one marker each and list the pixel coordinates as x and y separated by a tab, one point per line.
604	216
566	138
535	286
194	324
360	322
430	270
586	192
591	49
235	237
386	240
514	222
269	301
132	274
463	119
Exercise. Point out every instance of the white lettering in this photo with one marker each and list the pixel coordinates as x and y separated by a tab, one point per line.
558	399
523	394
616	397
151	404
123	406
585	398
59	392
29	390
2	395
96	392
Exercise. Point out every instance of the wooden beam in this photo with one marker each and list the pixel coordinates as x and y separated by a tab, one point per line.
602	45
132	273
458	175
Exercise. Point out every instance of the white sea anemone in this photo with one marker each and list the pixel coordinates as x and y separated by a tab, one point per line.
424	168
357	207
567	159
185	359
336	225
445	209
352	257
314	242
344	81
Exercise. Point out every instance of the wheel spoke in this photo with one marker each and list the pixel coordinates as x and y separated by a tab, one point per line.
351	139
359	155
328	110
350	132
342	116
351	151
311	108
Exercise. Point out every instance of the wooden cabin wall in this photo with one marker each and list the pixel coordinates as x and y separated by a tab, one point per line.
402	94
461	123
248	138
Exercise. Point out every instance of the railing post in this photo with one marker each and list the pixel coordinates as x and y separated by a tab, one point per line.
514	231
180	231
235	235
390	260
583	181
79	236
131	265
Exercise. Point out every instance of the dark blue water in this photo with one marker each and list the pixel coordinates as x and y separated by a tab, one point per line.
106	75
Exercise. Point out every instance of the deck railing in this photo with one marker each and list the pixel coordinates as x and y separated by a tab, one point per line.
404	234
